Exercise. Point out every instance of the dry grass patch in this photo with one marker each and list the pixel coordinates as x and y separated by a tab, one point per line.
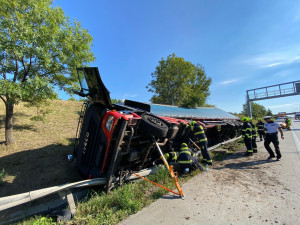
39	157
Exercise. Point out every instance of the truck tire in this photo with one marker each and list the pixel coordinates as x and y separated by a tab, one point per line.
154	125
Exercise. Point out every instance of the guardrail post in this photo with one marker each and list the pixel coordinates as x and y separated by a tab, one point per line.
70	198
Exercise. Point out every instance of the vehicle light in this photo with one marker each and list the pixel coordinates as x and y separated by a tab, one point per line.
109	123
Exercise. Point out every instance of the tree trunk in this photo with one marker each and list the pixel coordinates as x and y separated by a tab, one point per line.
9	123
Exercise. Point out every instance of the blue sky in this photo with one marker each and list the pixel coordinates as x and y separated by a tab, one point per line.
241	44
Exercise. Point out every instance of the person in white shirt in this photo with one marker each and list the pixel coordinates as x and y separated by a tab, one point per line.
271	128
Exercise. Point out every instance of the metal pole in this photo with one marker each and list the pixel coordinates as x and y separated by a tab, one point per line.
249	106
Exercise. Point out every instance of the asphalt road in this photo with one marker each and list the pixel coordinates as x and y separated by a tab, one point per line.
238	190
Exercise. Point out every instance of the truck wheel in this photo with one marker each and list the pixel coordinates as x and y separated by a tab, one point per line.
154	125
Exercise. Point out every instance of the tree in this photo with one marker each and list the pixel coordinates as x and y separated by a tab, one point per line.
269	112
40	49
179	82
115	100
257	110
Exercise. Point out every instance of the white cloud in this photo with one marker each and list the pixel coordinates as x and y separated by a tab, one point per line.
130	96
284	105
229	81
274	64
274	59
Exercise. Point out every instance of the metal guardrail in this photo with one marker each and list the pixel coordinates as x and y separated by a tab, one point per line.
63	190
15	200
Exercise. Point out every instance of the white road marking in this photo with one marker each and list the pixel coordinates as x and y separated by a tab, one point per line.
297	141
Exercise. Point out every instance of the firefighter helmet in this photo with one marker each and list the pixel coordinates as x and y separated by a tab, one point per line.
244	119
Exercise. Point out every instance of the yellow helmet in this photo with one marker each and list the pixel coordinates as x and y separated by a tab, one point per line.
193	123
244	119
184	145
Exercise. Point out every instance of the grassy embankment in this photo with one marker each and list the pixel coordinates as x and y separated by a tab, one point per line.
39	157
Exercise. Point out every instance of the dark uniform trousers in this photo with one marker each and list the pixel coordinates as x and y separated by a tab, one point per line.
201	141
272	137
248	144
260	130
254	135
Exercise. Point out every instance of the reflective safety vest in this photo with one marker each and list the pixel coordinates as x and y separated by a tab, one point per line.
260	126
171	156
199	134
246	130
185	155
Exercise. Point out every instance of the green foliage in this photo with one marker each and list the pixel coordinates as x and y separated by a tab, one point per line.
114	100
257	110
269	112
179	82
39	220
40	49
72	99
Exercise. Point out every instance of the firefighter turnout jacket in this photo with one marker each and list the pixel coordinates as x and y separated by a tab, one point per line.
246	131
260	126
253	131
199	134
185	155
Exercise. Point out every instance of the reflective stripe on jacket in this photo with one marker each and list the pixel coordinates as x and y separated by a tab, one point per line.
199	134
246	130
185	155
260	126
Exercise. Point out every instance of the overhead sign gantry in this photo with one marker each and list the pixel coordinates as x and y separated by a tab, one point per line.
273	91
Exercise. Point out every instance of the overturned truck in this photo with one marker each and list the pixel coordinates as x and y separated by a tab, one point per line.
113	140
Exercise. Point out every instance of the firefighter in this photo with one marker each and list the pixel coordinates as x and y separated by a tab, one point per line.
288	123
187	159
171	156
247	136
198	135
271	128
254	135
260	129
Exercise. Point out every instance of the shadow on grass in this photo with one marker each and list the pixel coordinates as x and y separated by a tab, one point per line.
37	168
19	114
24	127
